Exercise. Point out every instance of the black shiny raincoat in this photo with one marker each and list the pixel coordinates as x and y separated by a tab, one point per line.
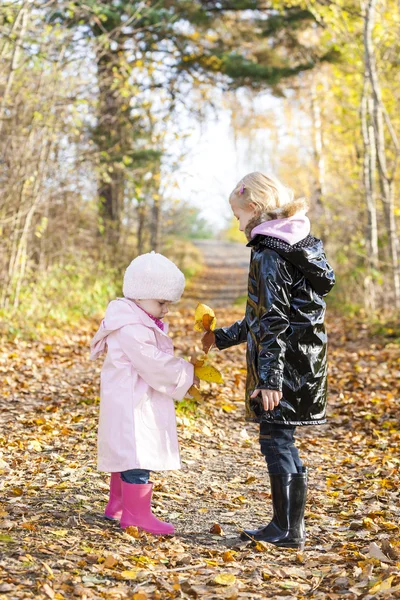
284	329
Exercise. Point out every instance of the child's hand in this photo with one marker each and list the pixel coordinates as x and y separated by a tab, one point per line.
270	398
196	381
208	340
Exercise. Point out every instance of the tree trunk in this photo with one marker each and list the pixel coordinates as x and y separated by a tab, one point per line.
386	179
109	139
319	195
23	16
156	224
140	227
369	170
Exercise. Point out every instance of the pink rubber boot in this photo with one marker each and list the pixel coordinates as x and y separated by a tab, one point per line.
114	507
136	509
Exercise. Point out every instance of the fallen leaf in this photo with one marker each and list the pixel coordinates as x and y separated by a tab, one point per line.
261	547
228	556
48	590
390	551
132	574
216	529
375	552
225	579
133	531
110	562
250	479
30	526
382	586
35	445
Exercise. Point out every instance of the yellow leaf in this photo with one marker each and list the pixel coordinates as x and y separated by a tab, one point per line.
261	547
35	445
132	531
225	579
369	523
228	556
382	586
205	319
208	373
389	525
129	574
59	532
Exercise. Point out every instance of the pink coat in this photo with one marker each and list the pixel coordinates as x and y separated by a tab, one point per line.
139	379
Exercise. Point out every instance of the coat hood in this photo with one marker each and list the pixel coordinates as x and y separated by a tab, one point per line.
307	256
119	313
290	230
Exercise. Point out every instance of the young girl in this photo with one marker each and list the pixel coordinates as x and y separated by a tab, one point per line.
139	379
286	341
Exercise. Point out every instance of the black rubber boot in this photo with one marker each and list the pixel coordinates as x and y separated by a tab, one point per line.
289	493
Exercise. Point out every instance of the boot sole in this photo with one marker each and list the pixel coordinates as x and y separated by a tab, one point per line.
299	544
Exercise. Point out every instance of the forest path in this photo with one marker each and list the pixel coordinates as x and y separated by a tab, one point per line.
55	544
224	278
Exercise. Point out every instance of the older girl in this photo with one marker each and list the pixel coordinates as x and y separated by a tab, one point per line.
286	341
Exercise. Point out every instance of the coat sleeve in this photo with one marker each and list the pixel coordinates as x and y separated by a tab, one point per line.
225	337
274	293
162	371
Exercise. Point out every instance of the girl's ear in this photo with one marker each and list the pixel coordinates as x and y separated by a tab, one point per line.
253	206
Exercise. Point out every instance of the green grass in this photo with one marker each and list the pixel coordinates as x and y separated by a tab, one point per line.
63	297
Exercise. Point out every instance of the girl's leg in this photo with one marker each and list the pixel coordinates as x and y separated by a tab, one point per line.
288	478
277	446
140	476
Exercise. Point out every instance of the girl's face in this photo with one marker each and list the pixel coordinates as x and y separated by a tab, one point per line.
157	308
243	215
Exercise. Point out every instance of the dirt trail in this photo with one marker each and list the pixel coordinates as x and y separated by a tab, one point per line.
224	278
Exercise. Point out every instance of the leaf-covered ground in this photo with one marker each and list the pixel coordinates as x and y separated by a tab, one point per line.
55	544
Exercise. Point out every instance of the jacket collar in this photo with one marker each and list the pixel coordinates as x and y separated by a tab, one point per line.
143	317
254	241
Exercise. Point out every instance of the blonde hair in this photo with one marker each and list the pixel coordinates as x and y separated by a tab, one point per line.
272	199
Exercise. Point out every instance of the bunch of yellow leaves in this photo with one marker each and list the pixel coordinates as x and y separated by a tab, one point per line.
205	320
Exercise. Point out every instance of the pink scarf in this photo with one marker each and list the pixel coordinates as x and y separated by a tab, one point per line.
158	322
291	230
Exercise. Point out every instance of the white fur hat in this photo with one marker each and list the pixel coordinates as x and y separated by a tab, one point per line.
153	277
